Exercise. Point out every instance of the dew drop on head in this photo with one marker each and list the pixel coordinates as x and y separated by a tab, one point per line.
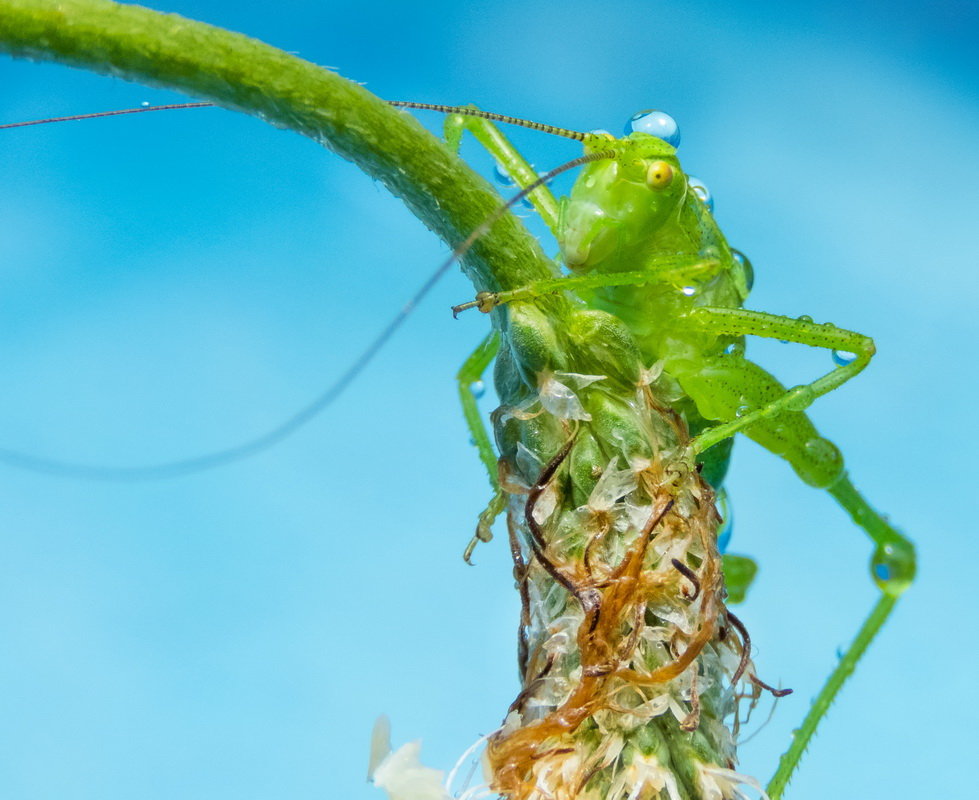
655	123
749	271
700	189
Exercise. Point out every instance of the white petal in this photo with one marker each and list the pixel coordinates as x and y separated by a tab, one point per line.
380	744
403	777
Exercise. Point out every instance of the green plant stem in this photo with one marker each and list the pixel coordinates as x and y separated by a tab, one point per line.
241	73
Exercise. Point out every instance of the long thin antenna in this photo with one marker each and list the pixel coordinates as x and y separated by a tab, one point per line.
98	114
467	111
578	136
217	458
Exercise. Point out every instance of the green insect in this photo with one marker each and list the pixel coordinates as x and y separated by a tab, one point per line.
640	242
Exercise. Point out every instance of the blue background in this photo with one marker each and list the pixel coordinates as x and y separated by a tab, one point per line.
174	283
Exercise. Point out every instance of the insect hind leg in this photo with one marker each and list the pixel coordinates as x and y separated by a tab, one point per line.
777	423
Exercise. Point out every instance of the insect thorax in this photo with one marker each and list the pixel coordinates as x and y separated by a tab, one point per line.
615	221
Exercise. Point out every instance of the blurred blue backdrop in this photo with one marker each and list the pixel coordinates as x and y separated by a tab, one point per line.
173	283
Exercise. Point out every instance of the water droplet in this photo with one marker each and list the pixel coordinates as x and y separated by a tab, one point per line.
145	104
502	176
478	389
893	567
601	132
700	189
655	123
472	441
727	521
843	357
798	398
749	271
805	318
734	349
740	411
839	653
689	291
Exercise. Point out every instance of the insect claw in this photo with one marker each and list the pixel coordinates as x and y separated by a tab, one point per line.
468	552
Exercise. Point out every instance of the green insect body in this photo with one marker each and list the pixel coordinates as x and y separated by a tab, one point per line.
655	289
638	212
620	218
622	385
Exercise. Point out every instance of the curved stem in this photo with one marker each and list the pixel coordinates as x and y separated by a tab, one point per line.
241	73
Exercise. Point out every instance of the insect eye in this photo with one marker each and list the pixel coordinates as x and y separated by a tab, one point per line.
659	175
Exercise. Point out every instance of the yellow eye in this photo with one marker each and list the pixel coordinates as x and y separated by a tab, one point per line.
659	175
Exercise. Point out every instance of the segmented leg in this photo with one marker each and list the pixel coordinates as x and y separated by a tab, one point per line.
777	423
741	322
471	372
517	167
680	270
508	157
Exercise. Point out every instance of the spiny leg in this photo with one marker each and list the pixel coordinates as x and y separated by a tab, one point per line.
523	174
893	568
741	322
472	371
517	167
781	427
680	270
508	157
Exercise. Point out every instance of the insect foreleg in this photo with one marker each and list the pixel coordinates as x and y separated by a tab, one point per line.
509	159
741	322
679	270
523	175
470	374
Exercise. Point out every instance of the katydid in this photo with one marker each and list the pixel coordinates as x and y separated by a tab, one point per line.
641	243
642	246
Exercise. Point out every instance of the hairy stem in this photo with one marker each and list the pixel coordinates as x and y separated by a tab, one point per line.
243	74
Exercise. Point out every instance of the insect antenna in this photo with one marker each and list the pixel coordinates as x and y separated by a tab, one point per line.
98	114
219	458
466	111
